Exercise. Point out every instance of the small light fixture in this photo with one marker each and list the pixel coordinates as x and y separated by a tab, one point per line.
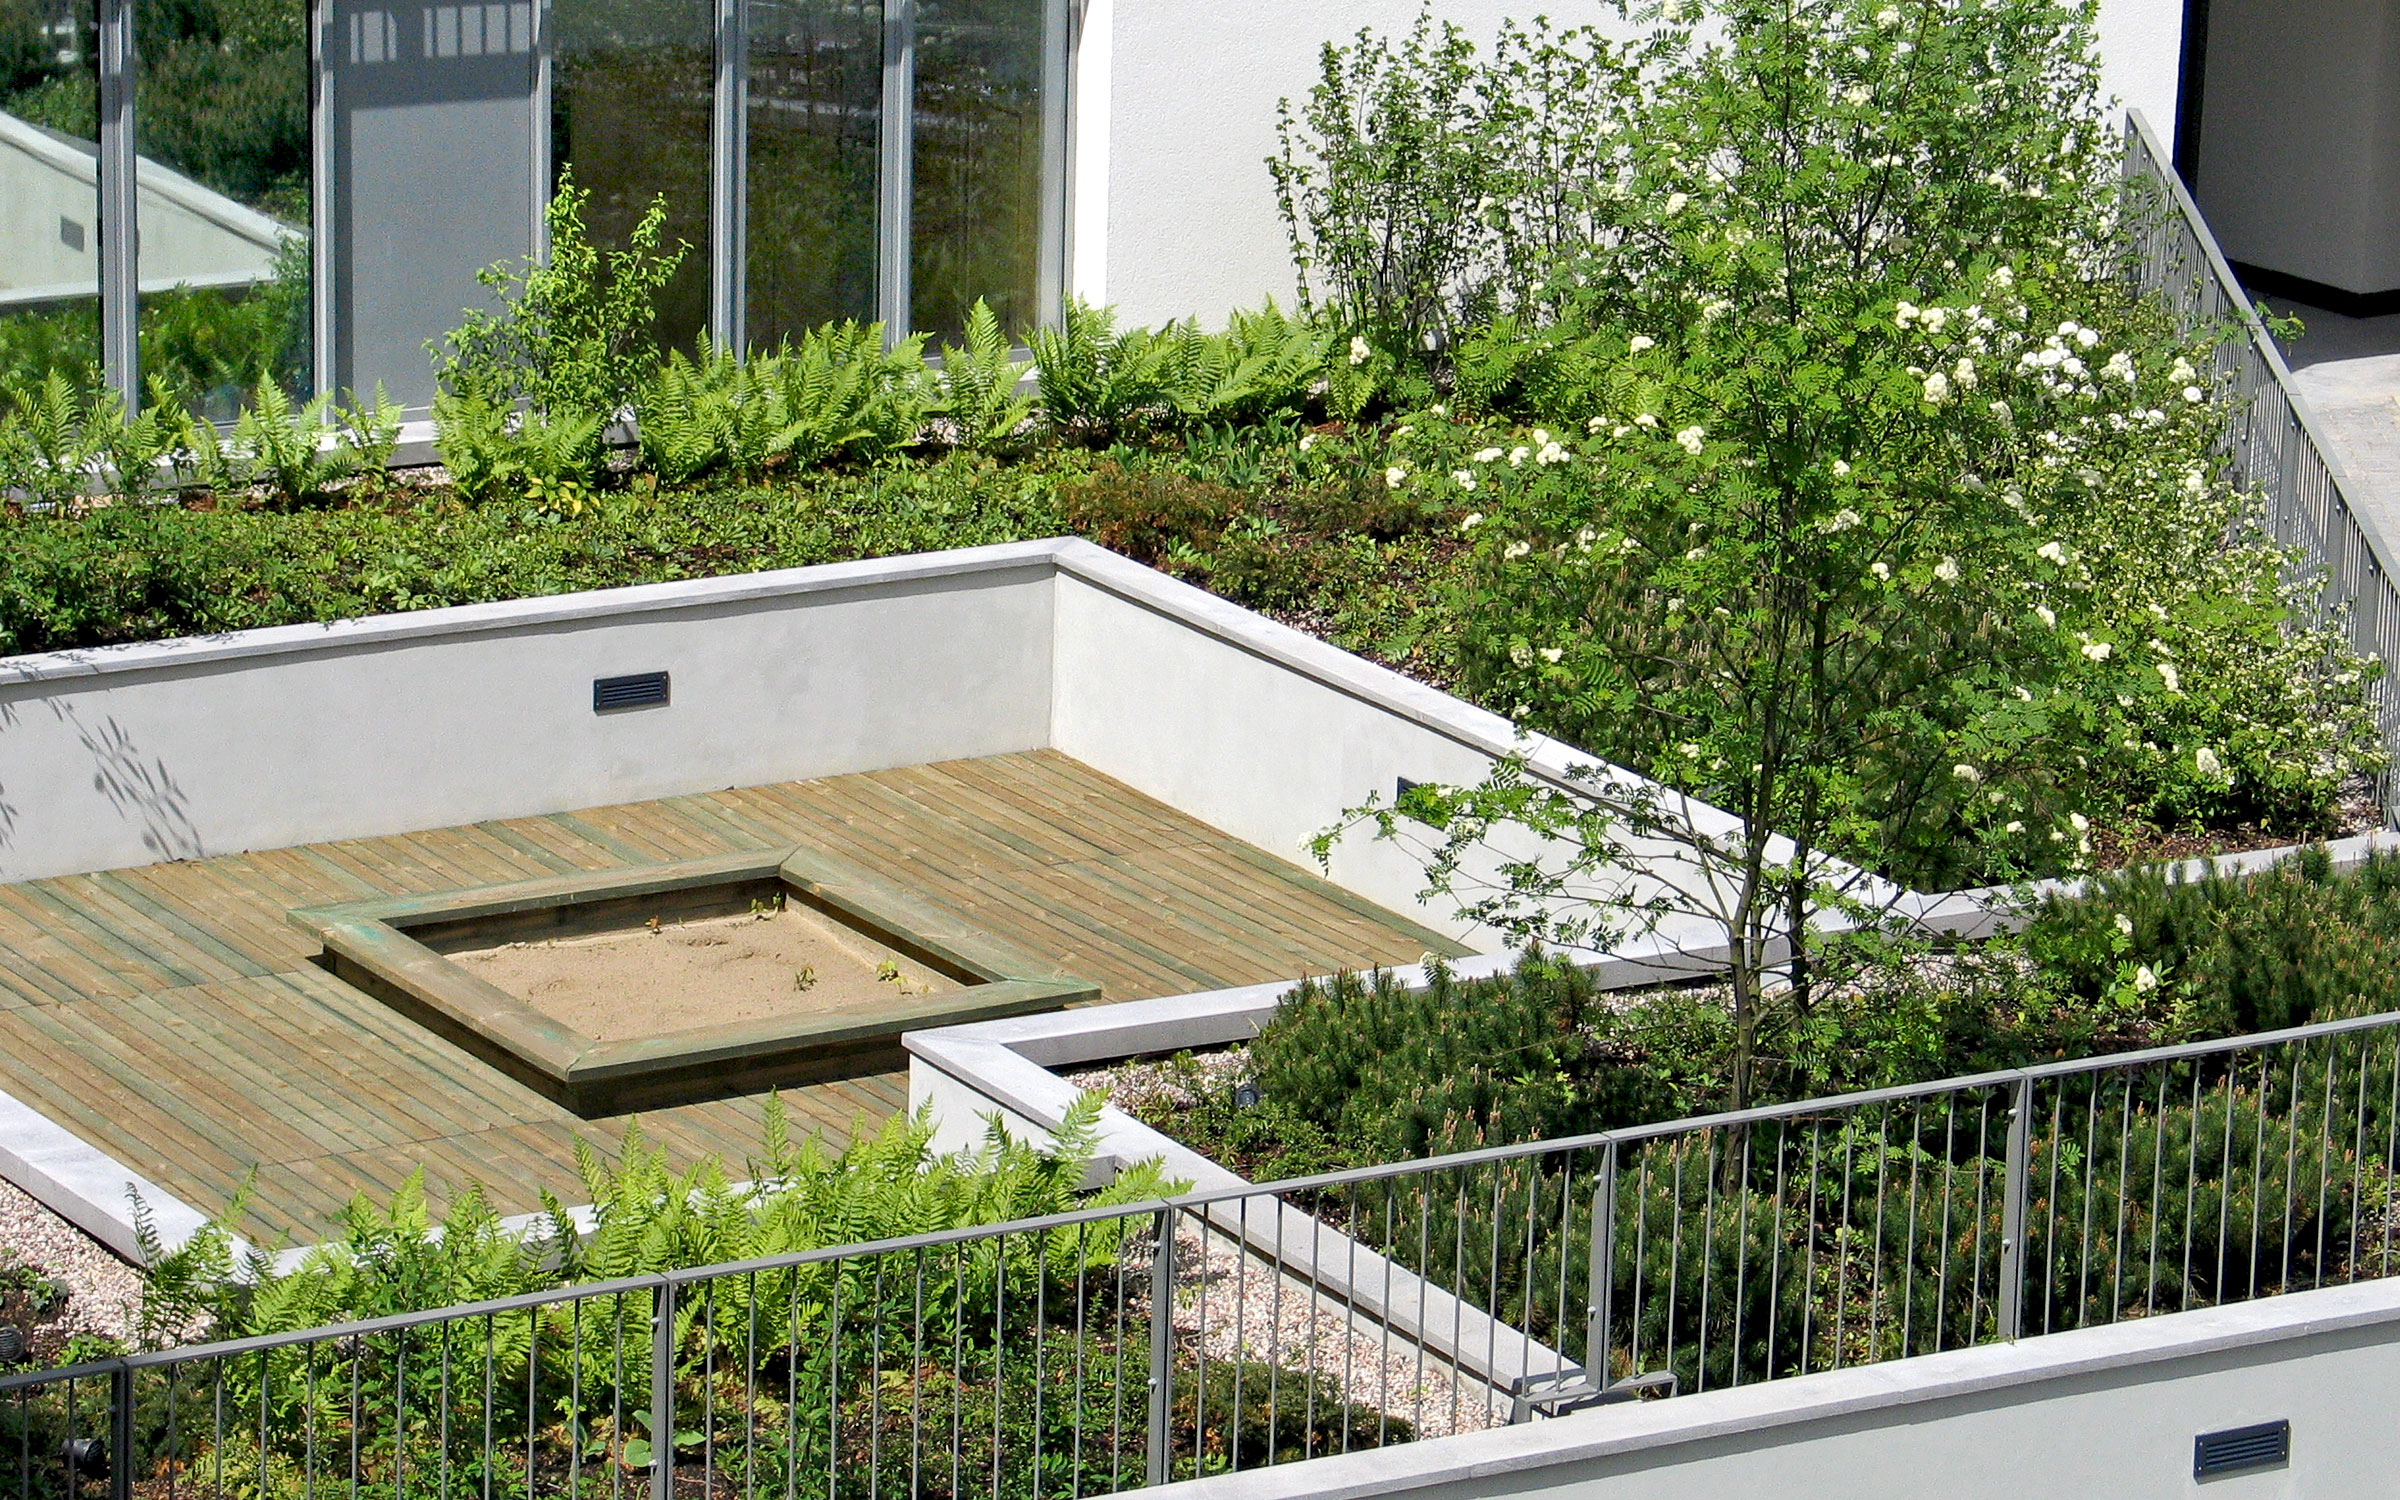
638	690
1246	1095
12	1344
86	1458
2237	1450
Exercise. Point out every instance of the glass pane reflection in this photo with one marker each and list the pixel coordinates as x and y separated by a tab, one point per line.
978	186
816	93
221	92
630	97
49	191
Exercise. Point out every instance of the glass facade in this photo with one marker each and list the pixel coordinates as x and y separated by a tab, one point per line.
814	128
49	191
633	87
221	112
316	182
977	195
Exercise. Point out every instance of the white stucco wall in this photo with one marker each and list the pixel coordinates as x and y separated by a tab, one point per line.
2105	1412
2299	167
1190	221
1175	213
267	738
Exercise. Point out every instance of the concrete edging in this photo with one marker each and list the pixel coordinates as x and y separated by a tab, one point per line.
1757	1412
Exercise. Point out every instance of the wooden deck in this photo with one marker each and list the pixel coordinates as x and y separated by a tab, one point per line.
170	1016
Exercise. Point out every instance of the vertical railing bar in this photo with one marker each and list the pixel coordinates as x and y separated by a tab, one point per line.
1775	1249
1601	1287
1162	1344
662	1390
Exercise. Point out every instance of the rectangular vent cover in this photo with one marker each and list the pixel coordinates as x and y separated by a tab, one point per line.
641	690
2239	1448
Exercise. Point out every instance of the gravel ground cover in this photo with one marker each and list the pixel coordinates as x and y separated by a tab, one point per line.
38	1247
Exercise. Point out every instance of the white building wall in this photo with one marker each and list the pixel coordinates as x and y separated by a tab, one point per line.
2099	1414
1175	213
214	745
2299	167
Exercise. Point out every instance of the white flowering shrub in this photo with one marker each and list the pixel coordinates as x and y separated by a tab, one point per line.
1830	476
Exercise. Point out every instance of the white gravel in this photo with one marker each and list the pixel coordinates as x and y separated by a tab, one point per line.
102	1291
1229	1304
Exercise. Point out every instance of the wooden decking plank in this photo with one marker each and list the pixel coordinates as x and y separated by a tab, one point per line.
464	862
630	852
1250	854
1047	779
999	809
154	960
1063	792
665	840
202	942
730	831
198	897
116	1108
107	965
550	861
586	855
962	836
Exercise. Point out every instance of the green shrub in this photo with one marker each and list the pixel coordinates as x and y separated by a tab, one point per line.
1020	1346
2290	946
1099	383
494	452
575	335
839	395
1147	513
979	384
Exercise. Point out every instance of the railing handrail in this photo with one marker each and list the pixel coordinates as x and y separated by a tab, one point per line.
1186	1203
2138	125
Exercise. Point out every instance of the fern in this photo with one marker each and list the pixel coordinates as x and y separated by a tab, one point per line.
979	383
372	429
285	450
1097	384
648	1217
46	444
493	452
131	449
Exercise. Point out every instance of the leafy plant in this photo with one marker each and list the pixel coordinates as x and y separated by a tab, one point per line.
372	429
1263	365
493	451
48	444
979	381
292	453
1098	383
837	394
574	336
1384	179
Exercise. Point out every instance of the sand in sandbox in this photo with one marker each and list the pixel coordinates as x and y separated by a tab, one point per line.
711	971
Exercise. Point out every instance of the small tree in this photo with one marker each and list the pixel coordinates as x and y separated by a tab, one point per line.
1793	558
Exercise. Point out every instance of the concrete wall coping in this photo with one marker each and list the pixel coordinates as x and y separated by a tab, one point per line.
523	614
2121	1351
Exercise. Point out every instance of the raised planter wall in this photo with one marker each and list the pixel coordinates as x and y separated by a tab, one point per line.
268	738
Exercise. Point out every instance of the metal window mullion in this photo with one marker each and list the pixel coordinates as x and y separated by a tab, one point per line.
728	227
120	223
542	156
321	44
1058	73
896	179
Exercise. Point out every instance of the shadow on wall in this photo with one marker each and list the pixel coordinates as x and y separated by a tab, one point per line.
137	785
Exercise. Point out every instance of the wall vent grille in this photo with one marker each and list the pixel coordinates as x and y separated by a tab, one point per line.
640	690
2239	1448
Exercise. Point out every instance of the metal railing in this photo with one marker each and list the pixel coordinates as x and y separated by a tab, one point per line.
1110	1349
2271	444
